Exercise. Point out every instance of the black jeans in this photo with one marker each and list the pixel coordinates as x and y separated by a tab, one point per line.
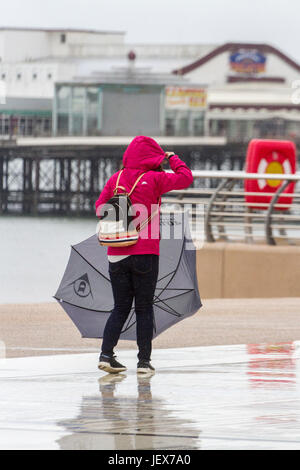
135	278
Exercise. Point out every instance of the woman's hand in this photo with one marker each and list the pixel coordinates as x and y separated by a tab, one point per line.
169	154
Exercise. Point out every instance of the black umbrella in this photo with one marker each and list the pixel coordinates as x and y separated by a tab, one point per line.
85	290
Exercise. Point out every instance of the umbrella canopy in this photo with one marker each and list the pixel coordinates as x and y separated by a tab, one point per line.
85	291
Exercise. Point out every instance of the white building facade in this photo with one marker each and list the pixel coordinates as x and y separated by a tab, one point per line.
235	90
252	91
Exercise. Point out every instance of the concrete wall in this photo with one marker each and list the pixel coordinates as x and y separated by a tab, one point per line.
83	43
21	46
40	86
248	271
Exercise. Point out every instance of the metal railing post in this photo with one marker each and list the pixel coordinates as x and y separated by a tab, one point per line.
268	229
207	225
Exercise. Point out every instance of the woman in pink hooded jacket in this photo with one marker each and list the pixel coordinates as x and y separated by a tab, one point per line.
134	269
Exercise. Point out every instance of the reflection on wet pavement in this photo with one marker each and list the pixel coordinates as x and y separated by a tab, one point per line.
122	422
265	371
216	397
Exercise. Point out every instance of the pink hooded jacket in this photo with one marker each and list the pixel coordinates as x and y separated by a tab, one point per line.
144	155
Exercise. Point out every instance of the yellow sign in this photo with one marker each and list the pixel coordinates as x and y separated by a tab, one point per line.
274	167
185	98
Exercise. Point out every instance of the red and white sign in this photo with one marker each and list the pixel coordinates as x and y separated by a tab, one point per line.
269	157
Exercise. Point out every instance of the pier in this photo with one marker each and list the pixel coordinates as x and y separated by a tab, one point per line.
64	176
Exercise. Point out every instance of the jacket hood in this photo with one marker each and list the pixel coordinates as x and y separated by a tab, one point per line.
143	153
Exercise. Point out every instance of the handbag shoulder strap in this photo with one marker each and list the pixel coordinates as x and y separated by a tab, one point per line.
122	187
117	183
136	182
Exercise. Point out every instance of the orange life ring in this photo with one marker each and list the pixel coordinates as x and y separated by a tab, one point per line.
269	156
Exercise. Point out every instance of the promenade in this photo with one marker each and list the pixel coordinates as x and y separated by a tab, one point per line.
226	378
200	398
43	329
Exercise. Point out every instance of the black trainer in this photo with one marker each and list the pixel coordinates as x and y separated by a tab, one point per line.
110	364
144	367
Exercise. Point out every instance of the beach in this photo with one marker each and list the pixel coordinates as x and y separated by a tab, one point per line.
31	329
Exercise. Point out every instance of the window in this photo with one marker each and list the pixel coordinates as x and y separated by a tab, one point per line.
29	126
183	125
78	99
6	126
63	98
19	76
78	109
62	124
34	76
3	76
93	110
47	126
198	125
170	123
49	76
22	126
63	38
170	126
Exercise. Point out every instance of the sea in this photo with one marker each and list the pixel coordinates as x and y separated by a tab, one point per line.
34	252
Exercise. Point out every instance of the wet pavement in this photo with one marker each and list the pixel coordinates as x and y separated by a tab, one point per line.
214	397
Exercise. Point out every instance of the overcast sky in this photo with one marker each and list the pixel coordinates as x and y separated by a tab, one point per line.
276	22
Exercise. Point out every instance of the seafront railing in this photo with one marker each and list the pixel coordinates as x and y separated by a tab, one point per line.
228	214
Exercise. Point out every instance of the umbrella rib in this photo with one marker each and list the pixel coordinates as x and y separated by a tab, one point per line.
173	272
107	279
175	314
174	296
79	306
173	288
162	278
168	307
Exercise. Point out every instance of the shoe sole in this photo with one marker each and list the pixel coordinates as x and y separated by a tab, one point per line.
111	370
144	370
